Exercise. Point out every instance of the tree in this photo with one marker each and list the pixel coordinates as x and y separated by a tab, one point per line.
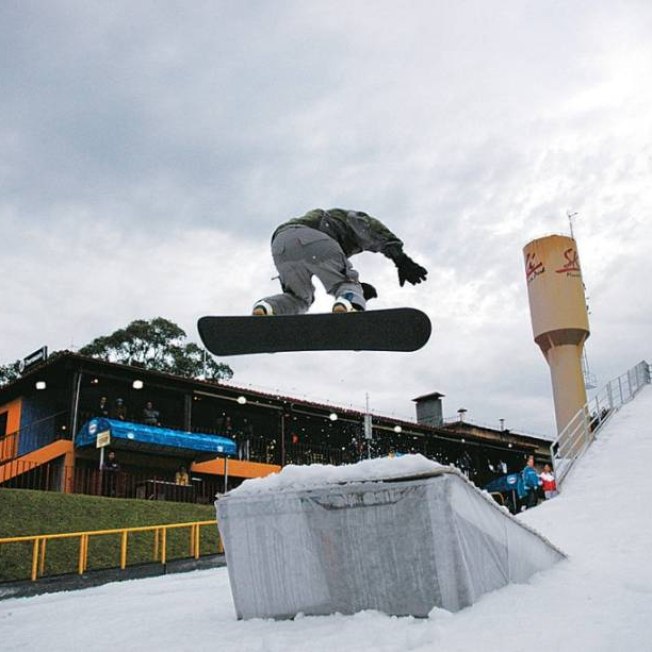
9	372
157	344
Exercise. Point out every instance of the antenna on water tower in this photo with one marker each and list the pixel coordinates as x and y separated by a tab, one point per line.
570	222
590	379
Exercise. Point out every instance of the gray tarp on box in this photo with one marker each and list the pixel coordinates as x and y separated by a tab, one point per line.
401	547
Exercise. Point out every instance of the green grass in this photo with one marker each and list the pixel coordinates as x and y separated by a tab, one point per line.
24	512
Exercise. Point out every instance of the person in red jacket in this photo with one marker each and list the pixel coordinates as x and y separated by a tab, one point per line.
548	483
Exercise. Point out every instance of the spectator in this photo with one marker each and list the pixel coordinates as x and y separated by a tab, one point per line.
243	438
224	425
103	407
119	410
111	462
181	477
465	464
548	482
110	471
528	485
151	416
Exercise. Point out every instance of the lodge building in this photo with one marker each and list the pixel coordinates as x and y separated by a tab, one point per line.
56	431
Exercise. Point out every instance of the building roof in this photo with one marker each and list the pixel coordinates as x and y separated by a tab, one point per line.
425	397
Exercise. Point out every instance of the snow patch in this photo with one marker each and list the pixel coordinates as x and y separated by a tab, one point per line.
319	475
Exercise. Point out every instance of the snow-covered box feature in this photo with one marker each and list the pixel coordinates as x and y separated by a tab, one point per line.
398	535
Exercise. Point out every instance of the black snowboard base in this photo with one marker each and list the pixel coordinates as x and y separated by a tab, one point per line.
396	329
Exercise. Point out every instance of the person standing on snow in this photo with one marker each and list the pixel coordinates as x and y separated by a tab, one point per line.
528	485
320	244
548	483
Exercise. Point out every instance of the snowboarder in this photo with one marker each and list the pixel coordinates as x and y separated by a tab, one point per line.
320	244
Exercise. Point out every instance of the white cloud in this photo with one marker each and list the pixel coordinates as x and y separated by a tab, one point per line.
148	153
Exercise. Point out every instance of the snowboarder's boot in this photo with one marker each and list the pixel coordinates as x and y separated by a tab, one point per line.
262	309
342	304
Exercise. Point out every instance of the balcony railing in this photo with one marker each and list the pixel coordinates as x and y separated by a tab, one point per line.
145	485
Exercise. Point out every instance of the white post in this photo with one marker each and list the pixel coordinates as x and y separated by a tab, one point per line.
368	430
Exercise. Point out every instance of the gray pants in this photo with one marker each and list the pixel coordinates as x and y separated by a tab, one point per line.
300	253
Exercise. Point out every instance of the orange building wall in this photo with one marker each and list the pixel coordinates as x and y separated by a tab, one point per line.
34	459
9	444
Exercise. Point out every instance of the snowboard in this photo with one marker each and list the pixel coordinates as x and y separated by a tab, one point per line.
394	329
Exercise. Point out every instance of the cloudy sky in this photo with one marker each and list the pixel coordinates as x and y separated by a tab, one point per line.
149	149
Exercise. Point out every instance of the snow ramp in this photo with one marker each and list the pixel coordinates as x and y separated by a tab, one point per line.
401	536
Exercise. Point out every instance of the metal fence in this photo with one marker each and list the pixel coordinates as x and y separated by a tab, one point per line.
118	539
582	429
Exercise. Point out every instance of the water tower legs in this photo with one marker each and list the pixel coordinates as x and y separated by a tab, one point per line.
568	387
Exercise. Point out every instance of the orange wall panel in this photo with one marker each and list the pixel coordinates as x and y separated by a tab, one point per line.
30	461
237	468
9	445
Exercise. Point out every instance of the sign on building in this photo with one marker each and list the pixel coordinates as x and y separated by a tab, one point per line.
103	439
37	357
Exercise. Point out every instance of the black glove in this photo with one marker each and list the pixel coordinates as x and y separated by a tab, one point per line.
368	291
409	271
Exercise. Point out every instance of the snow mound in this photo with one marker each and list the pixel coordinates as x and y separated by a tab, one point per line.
401	536
321	475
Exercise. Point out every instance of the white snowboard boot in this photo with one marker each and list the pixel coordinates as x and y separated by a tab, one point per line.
262	309
342	304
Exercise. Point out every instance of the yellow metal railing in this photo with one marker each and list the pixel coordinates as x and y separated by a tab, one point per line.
40	541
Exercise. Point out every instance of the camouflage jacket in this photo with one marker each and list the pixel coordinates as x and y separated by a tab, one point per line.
354	231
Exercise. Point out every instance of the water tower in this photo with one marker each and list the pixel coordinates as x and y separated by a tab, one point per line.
560	319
